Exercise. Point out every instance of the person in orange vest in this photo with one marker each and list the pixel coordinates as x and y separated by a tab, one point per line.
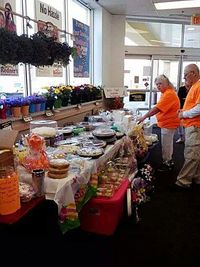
190	114
166	113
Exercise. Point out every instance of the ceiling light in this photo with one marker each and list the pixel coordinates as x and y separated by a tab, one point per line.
177	4
158	41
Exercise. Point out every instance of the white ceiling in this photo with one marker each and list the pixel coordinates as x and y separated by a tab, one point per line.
143	8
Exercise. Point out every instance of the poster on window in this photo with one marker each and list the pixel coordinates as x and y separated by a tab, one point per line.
81	33
7	19
49	20
50	71
9	70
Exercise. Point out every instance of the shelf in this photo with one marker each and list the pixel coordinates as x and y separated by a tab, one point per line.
74	113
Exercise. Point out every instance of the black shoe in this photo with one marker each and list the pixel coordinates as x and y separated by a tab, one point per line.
165	168
178	188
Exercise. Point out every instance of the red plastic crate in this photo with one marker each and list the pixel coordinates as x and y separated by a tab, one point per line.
101	215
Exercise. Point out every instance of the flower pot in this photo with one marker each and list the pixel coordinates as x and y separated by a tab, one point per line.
3	113
42	107
58	103
32	108
16	111
50	103
25	110
8	112
65	101
37	107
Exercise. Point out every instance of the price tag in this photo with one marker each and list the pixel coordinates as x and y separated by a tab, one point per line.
27	118
49	113
113	92
6	125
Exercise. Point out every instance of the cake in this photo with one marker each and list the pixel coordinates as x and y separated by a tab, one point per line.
58	168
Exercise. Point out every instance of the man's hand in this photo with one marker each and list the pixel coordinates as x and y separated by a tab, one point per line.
180	114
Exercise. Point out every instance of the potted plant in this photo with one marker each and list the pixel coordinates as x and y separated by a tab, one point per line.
50	97
57	95
76	95
35	103
25	102
2	109
42	100
16	104
65	94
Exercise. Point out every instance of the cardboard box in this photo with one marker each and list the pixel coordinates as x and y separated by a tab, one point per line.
101	215
7	140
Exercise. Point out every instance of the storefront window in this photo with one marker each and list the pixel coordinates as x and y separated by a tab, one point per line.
192	36
12	77
140	33
81	14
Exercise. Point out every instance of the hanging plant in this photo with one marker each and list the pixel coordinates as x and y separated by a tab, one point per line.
9	44
63	53
41	55
38	50
25	49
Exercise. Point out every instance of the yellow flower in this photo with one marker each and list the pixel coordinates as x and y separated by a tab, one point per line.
57	91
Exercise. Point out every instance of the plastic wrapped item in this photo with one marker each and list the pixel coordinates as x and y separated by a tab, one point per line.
36	157
45	128
26	192
148	128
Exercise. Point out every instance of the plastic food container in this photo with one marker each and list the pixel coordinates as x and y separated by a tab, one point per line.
45	128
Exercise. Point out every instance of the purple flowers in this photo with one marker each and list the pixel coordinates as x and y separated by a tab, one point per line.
36	99
15	102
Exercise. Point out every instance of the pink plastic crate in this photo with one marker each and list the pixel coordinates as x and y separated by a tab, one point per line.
101	215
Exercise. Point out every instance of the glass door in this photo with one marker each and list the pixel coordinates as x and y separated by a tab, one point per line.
137	80
170	66
139	76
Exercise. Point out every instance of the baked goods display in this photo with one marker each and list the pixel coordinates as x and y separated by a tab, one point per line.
69	149
68	141
95	143
44	131
90	152
58	168
104	132
45	128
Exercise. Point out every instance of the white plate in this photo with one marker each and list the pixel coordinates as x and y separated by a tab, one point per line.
104	132
90	152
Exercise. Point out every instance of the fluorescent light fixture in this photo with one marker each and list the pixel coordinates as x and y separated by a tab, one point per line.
158	41
177	4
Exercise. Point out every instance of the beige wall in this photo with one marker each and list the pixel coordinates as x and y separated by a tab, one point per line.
109	32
